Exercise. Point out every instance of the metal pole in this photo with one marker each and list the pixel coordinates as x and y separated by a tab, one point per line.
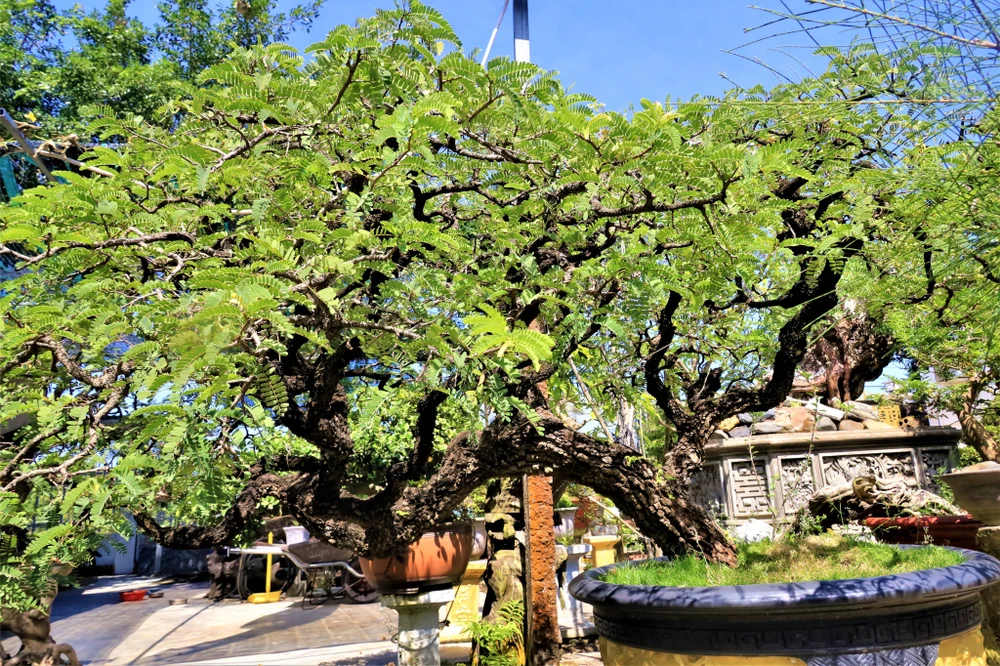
11	126
493	35
522	45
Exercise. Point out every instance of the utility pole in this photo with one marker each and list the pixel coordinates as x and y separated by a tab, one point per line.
522	44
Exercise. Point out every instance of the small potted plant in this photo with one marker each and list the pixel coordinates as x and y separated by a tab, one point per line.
566	511
633	547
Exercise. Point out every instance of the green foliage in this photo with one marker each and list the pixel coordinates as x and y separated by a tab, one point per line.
499	643
194	36
56	63
382	427
37	546
489	333
797	560
967	456
565	502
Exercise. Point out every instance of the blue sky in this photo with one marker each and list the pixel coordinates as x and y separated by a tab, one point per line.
620	52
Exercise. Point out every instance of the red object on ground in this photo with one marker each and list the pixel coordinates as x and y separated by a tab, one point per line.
957	531
132	595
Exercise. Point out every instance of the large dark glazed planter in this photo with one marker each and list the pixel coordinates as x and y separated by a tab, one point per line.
923	618
437	559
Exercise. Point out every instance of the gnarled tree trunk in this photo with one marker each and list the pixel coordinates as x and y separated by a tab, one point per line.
973	431
658	503
34	629
851	352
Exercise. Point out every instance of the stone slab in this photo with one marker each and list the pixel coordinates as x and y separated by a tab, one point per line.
826	424
769	428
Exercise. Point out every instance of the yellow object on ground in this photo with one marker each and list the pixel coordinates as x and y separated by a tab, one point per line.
603	552
268	596
962	650
465	608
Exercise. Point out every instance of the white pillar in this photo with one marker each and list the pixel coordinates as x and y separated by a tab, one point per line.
419	625
574	609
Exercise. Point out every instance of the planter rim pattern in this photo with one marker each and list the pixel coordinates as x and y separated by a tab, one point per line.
881	613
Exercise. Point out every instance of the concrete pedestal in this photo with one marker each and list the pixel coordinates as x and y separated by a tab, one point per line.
465	608
604	549
419	625
573	613
988	541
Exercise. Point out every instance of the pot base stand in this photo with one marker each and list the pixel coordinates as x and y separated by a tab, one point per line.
419	625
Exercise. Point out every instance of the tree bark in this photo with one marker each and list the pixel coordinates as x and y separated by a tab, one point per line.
658	503
972	429
851	352
34	629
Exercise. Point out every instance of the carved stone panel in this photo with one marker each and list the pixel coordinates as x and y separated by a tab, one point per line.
748	488
796	483
933	461
842	468
707	491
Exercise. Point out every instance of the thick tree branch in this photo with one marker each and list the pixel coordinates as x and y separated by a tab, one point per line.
141	241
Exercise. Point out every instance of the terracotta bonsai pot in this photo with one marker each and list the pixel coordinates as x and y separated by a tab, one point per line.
957	531
437	559
922	618
977	490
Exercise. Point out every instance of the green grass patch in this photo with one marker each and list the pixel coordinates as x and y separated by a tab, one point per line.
809	558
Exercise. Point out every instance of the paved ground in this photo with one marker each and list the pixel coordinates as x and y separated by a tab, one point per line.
106	632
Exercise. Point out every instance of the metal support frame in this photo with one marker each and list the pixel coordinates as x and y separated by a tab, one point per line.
15	131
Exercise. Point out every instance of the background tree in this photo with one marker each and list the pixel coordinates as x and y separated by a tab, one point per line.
194	36
53	64
937	289
57	62
945	292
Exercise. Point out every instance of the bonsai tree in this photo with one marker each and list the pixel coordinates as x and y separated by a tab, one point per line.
220	311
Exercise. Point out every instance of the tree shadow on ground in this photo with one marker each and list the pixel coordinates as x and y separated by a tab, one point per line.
290	629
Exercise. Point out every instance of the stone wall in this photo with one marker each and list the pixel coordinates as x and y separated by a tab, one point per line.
771	476
169	561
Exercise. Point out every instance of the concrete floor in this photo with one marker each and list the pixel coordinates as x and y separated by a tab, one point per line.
106	632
